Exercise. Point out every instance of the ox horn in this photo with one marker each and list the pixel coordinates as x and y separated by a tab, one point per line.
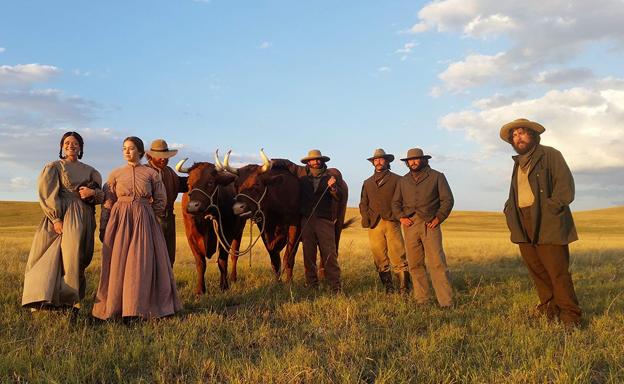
266	162
218	165
180	166
226	164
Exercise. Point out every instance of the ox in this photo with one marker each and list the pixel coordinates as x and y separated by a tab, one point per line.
270	198
274	193
209	198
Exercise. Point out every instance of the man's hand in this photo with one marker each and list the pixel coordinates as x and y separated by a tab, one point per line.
433	223
331	182
86	192
58	227
406	221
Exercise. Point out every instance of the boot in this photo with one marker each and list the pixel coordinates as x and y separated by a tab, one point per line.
405	282
386	280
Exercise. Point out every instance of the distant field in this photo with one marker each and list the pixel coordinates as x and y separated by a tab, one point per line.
262	331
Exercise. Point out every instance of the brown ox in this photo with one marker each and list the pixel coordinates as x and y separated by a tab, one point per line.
210	197
274	193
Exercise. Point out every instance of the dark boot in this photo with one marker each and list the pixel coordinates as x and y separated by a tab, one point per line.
386	280
405	282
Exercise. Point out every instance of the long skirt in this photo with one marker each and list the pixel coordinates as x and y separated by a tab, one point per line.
136	278
56	263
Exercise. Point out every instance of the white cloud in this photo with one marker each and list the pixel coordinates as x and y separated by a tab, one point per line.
265	45
474	70
26	74
2	49
20	183
589	115
78	72
384	69
540	33
563	76
407	48
490	26
43	108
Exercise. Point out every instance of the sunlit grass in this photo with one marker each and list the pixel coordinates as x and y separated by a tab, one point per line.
261	331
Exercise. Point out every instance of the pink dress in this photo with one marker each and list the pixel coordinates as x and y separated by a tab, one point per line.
136	279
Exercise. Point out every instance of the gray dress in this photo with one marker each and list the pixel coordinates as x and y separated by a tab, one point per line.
56	263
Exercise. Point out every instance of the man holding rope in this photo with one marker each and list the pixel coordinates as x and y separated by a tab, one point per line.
320	196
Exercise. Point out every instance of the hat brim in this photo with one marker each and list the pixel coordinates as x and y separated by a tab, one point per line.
162	154
306	159
417	157
509	127
389	158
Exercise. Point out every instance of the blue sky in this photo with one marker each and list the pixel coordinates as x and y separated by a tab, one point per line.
343	77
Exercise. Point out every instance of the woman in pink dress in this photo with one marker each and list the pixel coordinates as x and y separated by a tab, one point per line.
136	279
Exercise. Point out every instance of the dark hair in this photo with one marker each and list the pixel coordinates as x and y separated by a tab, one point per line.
536	136
75	135
138	143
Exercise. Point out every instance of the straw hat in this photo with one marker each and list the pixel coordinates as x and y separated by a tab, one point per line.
160	149
379	152
314	154
520	123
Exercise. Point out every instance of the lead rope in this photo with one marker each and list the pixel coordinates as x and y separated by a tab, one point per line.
218	226
308	220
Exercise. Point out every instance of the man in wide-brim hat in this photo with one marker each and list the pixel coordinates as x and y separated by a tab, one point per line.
384	234
158	157
539	218
422	201
322	185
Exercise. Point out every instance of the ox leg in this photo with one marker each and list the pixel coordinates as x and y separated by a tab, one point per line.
223	267
274	254
235	246
200	266
290	252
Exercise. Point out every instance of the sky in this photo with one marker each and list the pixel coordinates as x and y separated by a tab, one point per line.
344	77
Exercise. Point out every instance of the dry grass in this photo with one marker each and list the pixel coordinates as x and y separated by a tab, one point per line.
260	331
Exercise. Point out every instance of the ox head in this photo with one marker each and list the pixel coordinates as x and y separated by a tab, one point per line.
251	185
203	181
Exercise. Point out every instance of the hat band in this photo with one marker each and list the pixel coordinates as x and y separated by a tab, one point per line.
159	150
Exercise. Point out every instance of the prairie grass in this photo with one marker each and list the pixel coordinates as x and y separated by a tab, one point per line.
263	331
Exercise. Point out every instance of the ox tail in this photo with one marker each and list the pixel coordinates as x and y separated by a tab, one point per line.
349	222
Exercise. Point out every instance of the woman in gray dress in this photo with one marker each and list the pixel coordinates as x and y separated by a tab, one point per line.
63	245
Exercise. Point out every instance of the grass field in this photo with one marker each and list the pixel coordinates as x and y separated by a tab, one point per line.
261	331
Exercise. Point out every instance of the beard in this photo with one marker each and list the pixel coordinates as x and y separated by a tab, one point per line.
416	168
524	149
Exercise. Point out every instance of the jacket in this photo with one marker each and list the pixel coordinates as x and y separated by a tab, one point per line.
376	200
430	197
552	185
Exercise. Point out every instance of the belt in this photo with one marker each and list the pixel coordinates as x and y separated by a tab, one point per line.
130	199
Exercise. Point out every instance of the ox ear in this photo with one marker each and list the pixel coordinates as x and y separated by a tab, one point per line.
225	178
273	180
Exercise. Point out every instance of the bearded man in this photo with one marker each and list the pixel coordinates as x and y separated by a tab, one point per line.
384	232
422	201
158	157
539	218
320	196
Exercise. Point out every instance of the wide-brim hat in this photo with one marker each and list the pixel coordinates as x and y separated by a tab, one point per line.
379	153
520	123
415	153
314	154
160	149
